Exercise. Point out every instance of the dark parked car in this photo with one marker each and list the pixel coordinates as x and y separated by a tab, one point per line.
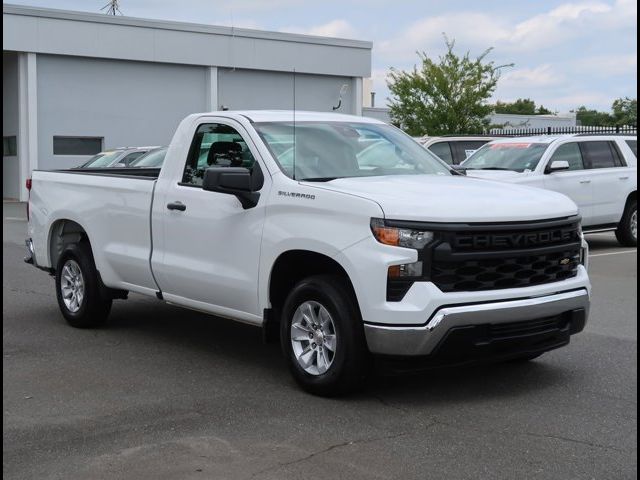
453	150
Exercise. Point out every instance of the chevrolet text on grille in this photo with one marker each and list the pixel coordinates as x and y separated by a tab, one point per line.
516	239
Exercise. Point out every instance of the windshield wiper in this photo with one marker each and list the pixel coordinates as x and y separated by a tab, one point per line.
318	179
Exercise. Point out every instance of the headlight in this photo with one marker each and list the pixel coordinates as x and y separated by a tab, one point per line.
400	237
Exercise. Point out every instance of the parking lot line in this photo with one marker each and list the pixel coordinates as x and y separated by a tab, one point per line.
614	253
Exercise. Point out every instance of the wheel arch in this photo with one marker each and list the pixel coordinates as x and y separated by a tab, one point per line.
292	266
631	197
64	232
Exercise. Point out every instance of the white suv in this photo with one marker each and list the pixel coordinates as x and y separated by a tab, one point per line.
598	172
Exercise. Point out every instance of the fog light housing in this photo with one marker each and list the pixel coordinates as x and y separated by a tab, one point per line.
406	270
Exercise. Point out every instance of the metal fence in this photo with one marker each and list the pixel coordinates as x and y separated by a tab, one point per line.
518	132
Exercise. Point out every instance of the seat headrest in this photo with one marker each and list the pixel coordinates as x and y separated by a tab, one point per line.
225	147
230	149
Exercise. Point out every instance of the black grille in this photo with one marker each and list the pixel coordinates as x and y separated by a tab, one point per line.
473	257
485	257
529	327
506	272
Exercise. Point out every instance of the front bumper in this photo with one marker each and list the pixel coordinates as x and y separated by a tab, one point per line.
526	325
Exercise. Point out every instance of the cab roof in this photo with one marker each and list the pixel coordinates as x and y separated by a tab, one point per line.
548	139
260	116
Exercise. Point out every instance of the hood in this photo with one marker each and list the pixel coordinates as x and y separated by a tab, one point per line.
503	175
434	198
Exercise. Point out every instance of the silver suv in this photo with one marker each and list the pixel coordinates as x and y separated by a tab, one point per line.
118	157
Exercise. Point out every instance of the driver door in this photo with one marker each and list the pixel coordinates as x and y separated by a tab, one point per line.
207	252
575	182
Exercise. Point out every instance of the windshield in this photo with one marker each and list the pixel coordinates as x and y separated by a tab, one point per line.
328	150
154	158
102	159
518	157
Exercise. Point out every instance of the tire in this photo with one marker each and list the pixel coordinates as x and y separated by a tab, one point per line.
330	373
77	279
627	232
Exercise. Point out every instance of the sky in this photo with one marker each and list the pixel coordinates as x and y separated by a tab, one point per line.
566	53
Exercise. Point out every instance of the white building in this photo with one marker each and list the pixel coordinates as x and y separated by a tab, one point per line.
508	121
75	83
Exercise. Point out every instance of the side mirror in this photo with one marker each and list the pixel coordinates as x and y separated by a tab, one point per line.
233	181
459	169
558	166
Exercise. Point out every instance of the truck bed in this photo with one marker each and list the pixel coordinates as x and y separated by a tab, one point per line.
113	205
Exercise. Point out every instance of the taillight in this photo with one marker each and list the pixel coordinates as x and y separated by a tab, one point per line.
28	184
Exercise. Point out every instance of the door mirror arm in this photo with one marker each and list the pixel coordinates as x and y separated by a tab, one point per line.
458	169
557	166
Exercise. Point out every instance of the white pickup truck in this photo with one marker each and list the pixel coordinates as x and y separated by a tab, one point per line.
598	172
341	233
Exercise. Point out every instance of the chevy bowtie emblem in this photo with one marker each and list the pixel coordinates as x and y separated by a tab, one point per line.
565	261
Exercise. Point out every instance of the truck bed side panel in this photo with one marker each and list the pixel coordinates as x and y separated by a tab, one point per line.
114	211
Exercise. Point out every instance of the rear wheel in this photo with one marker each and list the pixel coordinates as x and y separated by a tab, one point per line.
627	232
323	337
81	296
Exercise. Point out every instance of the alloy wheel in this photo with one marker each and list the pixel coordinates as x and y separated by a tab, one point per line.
313	337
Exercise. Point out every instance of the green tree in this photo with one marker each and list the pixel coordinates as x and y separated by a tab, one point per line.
625	111
522	106
543	111
447	95
593	118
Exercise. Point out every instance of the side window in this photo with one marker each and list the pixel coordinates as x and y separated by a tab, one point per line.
466	148
215	145
633	145
617	155
600	154
442	150
569	152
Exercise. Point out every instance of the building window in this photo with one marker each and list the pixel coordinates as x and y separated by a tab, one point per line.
77	145
9	146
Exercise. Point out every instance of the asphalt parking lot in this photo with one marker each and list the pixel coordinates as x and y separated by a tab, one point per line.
165	393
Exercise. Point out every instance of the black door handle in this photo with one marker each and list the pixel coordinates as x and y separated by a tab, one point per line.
177	206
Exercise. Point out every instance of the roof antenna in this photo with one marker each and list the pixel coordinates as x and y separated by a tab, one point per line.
112	8
294	123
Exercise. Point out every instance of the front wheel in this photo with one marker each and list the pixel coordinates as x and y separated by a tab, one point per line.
323	337
627	232
80	293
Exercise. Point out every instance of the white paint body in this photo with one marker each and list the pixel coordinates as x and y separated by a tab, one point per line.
601	194
218	257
